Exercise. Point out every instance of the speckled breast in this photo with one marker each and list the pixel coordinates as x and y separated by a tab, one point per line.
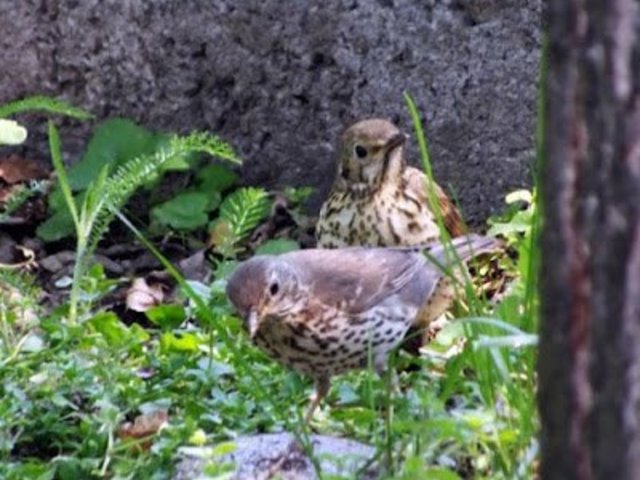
382	219
318	346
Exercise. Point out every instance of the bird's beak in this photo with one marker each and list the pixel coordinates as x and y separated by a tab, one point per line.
253	323
394	142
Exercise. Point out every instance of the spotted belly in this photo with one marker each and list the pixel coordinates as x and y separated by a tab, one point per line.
351	343
349	220
381	220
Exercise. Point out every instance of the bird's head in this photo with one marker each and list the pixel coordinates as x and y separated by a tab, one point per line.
371	150
261	289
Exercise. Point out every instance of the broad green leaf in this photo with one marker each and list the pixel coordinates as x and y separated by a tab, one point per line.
113	143
112	329
213	200
185	342
139	333
57	226
186	211
167	316
215	178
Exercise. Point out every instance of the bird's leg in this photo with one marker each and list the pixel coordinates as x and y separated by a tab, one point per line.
321	390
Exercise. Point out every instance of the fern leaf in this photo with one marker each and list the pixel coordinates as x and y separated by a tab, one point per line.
244	209
43	104
121	185
206	143
136	172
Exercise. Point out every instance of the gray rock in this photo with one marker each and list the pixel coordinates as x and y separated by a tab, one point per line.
58	261
276	455
280	79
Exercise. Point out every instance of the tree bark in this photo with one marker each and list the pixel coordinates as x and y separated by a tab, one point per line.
589	367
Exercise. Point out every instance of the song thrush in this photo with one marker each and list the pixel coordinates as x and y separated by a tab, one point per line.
376	199
324	312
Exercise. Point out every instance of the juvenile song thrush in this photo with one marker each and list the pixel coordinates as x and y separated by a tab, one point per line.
322	312
376	199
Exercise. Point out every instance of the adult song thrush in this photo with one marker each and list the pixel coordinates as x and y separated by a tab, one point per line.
323	312
376	199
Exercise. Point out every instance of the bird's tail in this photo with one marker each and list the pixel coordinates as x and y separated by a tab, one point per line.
460	249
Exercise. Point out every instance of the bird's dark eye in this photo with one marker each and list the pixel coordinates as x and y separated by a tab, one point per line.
274	288
361	152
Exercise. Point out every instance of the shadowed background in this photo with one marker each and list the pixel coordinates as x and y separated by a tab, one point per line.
279	80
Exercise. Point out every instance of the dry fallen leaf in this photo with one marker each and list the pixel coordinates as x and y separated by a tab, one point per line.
141	296
144	426
15	169
24	182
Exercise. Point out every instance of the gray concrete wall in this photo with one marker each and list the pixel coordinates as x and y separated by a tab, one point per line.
279	79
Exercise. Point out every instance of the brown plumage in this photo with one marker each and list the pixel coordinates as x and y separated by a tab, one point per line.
376	199
320	312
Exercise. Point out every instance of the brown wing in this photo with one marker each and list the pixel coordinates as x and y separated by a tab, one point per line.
355	279
416	182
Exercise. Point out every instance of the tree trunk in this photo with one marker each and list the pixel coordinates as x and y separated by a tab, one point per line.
589	367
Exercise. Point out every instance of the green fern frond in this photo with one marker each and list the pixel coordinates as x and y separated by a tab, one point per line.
43	104
206	143
115	192
244	209
132	175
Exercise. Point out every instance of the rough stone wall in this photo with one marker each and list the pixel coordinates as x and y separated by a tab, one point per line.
279	79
